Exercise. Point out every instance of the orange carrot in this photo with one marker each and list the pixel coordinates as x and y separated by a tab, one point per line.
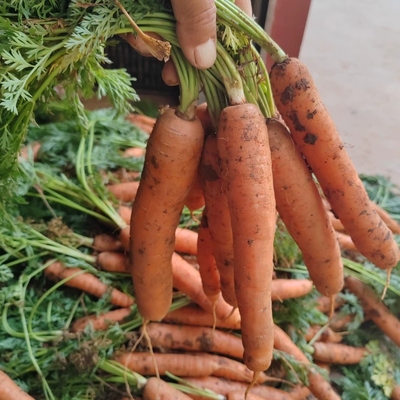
393	225
87	283
157	389
101	322
283	289
339	323
203	115
300	393
219	219
345	242
134	152
171	163
315	134
199	364
9	390
194	315
274	394
32	148
375	308
300	207
195	198
124	191
324	303
187	279
104	242
395	393
143	122
336	353
318	386
327	335
245	155
194	338
113	262
205	258
336	224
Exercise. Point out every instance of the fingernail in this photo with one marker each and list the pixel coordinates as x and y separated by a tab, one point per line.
205	54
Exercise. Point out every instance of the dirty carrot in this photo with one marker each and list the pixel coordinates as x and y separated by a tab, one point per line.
192	314
88	283
205	258
315	134
219	220
283	289
104	242
246	159
339	322
179	364
112	261
124	191
393	225
327	335
101	322
9	390
194	338
318	386
300	207
324	303
336	353
134	152
375	309
157	389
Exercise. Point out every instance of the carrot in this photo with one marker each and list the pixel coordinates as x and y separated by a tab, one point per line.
395	393
199	364
101	322
336	224
375	309
9	390
157	389
171	163
336	353
324	303
187	279
338	323
283	289
195	198
393	225
345	242
274	394
194	338
143	122
300	393
327	335
219	219
87	283
194	315
300	207
246	159
113	262
32	148
205	258
134	152
315	134
104	242
318	386
203	115
124	191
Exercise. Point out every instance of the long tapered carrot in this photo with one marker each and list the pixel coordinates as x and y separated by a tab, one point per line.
124	191
375	309
205	258
245	155
171	163
179	364
318	386
101	322
219	219
192	314
283	289
194	338
337	353
157	389
87	283
315	134
104	242
9	390
112	261
300	207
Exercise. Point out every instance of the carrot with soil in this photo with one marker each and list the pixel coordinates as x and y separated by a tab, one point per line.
299	205
315	134
9	390
157	389
336	353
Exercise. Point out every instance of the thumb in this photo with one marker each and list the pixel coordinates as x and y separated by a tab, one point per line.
196	30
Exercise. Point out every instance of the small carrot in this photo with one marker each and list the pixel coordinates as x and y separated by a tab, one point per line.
336	353
87	283
339	323
318	386
9	390
179	364
283	289
32	148
203	115
345	242
143	122
195	197
104	242
194	338
327	335
393	225
192	314
248	185
134	152
157	389
300	207
124	191
101	322
324	303
336	224
375	308
112	261
205	258
315	134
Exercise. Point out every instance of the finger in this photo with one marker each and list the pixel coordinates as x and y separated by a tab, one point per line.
169	74
196	30
245	5
138	44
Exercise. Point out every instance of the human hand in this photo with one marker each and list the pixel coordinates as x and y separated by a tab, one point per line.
196	31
